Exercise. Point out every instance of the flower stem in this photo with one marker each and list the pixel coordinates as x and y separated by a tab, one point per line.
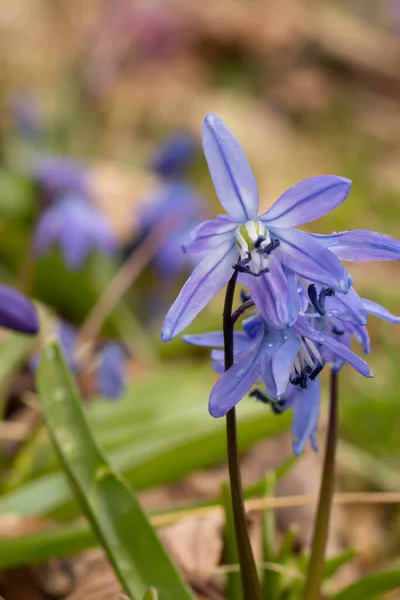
250	582
317	560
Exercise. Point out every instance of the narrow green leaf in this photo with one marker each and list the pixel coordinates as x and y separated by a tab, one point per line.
116	516
270	578
333	564
371	586
231	554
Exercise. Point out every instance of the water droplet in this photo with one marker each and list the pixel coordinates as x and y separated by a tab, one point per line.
271	345
240	373
285	337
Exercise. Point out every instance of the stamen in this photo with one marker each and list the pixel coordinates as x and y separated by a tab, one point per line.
278	406
337	331
318	300
268	249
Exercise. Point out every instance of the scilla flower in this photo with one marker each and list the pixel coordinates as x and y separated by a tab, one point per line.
17	312
266	250
76	227
173	157
59	175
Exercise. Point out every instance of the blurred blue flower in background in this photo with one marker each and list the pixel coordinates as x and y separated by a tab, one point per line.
266	250
57	175
76	227
111	370
174	156
17	312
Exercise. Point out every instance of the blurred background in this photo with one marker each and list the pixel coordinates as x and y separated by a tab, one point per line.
102	104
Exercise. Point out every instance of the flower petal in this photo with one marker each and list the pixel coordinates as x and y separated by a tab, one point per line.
276	365
377	310
306	403
230	171
346	354
17	312
215	339
237	381
308	200
361	245
270	294
301	253
210	275
348	307
210	234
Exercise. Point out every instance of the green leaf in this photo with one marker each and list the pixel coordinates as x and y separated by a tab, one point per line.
110	505
270	578
165	433
333	564
231	554
371	586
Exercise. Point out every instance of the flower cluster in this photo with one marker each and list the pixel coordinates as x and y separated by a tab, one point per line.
307	308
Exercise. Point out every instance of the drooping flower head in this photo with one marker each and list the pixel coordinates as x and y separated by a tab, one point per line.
17	312
76	227
59	175
266	250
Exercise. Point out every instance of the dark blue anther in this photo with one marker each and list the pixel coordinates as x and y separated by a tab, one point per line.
259	241
244	296
318	301
268	249
241	267
277	406
316	371
337	331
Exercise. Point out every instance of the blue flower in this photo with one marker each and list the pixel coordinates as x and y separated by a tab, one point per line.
361	245
266	250
173	157
277	356
180	199
76	227
17	312
111	370
60	174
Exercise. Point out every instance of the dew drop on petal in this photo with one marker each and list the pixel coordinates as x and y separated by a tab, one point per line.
240	373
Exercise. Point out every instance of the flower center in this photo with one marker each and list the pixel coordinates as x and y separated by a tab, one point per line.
307	364
255	245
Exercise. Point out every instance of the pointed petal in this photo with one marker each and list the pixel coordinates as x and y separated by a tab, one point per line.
17	312
301	253
212	273
379	311
361	336
210	234
306	403
215	339
230	171
361	245
308	200
348	307
237	381
270	293
276	366
346	354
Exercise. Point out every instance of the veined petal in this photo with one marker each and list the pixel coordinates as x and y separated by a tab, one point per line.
270	294
348	307
276	365
301	253
210	275
361	245
210	234
361	335
230	171
303	328
215	339
308	200
237	381
377	310
306	403
346	354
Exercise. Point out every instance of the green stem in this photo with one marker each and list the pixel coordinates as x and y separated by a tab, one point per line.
250	582
317	560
